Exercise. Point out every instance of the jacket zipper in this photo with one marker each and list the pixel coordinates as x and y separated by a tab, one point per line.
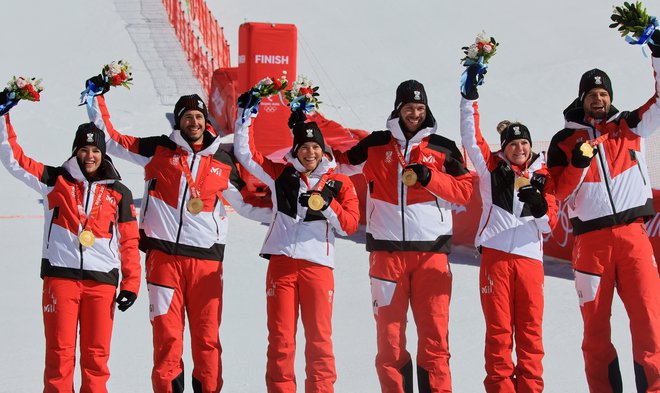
183	198
606	174
403	199
80	247
146	203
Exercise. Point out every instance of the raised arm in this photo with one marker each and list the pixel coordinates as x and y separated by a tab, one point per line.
233	194
248	156
474	143
31	172
123	146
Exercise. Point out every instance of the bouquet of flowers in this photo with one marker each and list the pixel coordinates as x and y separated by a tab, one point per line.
481	51
303	95
269	86
476	60
21	88
118	73
633	22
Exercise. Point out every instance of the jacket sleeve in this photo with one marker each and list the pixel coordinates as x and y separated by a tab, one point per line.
566	177
473	142
234	196
249	157
548	222
344	210
128	243
31	172
117	144
452	181
645	120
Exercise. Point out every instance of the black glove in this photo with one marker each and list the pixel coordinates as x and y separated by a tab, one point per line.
98	84
248	99
578	159
5	103
125	299
303	199
532	197
655	46
297	116
423	173
471	83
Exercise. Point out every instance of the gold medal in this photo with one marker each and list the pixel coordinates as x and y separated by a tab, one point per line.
409	177
195	205
86	238
520	183
587	150
315	202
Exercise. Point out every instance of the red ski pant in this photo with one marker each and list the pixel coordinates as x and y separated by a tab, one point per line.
423	280
69	305
179	285
620	257
511	290
293	286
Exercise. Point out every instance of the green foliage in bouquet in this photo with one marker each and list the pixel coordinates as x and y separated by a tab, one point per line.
631	18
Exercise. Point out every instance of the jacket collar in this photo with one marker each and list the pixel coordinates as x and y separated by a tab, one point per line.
107	171
395	128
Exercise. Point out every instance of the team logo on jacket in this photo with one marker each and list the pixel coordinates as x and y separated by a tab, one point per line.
111	199
216	171
90	137
174	161
428	159
330	183
388	157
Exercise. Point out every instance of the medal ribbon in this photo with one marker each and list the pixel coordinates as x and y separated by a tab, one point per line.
597	141
194	187
321	183
399	155
87	220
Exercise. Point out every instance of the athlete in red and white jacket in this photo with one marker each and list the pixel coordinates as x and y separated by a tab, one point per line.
518	207
608	194
90	236
183	228
409	232
300	248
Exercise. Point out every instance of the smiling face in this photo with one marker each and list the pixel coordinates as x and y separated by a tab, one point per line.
90	158
518	151
310	154
413	115
597	103
192	125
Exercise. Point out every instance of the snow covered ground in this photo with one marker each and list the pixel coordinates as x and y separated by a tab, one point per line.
358	51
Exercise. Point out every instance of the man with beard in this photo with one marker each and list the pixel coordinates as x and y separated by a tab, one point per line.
599	167
183	228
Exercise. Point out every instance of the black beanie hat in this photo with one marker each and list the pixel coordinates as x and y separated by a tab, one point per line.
189	103
410	91
514	131
592	79
88	134
306	132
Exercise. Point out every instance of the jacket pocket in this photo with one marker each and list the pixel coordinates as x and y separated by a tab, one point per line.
633	157
56	213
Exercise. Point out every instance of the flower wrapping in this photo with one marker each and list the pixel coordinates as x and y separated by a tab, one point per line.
21	88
